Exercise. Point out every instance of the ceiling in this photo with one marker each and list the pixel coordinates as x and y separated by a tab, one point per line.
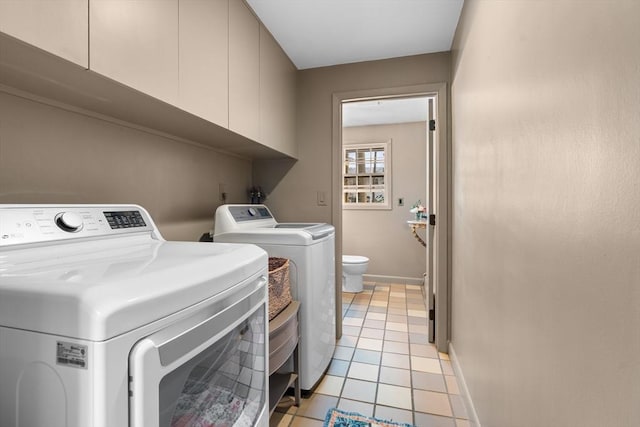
318	33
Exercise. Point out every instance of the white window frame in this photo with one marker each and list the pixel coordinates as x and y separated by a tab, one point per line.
363	187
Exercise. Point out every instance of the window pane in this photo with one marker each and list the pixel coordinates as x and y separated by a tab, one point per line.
350	162
378	180
370	161
349	180
364	197
350	197
350	168
365	161
378	197
365	167
364	180
360	156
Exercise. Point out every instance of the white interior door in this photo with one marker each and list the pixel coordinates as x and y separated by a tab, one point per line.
437	230
429	276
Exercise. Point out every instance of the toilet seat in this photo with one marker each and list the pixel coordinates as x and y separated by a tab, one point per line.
354	259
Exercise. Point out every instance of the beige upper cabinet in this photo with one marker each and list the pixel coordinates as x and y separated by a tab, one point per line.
244	70
204	63
135	42
59	27
212	59
277	96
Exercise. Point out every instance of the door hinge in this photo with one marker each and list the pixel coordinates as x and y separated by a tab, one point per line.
432	124
432	314
432	219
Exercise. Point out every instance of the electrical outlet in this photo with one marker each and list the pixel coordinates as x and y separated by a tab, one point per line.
222	194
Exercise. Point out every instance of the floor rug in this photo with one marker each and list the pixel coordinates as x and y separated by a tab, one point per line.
337	418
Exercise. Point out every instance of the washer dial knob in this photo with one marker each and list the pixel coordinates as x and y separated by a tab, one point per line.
69	221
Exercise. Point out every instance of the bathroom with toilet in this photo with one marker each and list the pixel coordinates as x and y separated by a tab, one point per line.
353	267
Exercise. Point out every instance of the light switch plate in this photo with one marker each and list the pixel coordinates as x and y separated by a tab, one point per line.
322	198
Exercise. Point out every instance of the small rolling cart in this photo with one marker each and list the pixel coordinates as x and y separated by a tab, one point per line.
283	345
284	335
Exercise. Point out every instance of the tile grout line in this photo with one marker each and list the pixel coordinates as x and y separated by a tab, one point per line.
413	403
357	309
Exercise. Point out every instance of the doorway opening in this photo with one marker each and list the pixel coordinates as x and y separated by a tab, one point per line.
387	160
384	178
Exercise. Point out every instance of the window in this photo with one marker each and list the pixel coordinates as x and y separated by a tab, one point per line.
366	176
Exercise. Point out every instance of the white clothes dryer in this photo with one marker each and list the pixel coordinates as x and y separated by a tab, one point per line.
103	323
310	247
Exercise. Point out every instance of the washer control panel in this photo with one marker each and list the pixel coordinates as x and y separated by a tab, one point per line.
125	219
249	213
69	221
21	224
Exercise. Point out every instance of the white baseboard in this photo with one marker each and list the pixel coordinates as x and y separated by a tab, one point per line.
464	390
393	279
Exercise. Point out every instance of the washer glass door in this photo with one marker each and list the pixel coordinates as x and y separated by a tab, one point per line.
220	386
211	373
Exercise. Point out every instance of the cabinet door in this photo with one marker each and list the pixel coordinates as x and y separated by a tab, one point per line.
277	96
204	51
135	42
60	27
244	70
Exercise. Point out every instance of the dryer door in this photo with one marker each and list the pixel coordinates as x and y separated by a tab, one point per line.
210	369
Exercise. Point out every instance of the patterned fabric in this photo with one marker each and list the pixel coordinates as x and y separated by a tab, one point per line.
214	407
337	418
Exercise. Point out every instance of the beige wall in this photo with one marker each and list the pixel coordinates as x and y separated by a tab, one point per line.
546	211
51	155
383	235
293	188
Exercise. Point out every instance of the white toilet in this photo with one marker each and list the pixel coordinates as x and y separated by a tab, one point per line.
353	267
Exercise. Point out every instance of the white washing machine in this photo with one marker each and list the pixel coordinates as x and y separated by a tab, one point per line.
311	251
105	324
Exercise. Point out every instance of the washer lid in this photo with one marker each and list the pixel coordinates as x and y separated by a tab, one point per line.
299	234
99	289
256	224
317	231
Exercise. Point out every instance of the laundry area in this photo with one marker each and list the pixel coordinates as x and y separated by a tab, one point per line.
319	213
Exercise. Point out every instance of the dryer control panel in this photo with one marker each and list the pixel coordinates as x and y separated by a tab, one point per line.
22	224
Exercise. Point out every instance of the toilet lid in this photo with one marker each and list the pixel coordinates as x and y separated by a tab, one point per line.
354	259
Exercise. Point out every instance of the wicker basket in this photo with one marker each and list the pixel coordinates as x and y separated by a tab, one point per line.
279	287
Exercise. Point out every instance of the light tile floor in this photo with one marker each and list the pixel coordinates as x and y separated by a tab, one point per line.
384	365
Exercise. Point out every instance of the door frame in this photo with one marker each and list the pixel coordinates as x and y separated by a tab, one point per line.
442	195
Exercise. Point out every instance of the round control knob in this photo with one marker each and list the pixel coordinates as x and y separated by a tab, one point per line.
69	221
253	212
